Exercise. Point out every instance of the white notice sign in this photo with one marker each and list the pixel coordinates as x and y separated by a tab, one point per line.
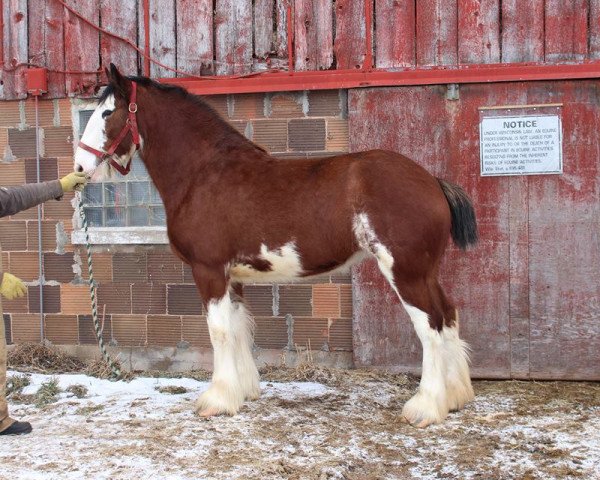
523	145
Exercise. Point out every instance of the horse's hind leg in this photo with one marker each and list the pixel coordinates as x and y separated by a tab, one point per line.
456	357
430	404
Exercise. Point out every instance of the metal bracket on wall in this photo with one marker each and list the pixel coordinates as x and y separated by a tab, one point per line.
452	92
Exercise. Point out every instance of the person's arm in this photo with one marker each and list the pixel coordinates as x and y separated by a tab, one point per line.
15	199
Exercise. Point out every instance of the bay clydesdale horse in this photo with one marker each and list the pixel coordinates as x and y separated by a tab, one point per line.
235	214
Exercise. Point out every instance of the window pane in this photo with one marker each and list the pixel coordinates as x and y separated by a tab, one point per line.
138	169
138	193
158	216
154	196
94	216
92	194
115	194
116	216
138	216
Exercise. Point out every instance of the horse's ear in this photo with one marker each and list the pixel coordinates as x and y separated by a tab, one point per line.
118	81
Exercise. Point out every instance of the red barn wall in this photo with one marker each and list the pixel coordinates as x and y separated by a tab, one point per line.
529	292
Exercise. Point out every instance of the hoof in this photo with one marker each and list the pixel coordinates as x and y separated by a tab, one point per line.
208	412
423	410
219	399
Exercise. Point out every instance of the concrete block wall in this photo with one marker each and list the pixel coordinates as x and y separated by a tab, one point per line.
148	294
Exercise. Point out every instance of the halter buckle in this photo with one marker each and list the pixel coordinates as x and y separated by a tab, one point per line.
133	107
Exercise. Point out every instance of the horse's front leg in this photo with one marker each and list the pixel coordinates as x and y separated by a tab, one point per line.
235	377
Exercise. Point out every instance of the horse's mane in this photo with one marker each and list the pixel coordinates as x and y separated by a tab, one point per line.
164	87
186	96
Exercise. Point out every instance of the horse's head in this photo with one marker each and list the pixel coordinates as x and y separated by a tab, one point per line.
111	136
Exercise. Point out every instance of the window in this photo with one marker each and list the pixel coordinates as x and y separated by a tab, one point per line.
122	203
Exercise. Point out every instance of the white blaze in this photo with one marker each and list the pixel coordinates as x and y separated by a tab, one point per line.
93	136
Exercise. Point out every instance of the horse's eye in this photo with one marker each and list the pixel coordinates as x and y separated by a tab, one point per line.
106	113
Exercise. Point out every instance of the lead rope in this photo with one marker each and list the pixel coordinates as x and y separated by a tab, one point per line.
116	371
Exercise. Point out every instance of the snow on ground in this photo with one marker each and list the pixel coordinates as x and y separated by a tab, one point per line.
350	429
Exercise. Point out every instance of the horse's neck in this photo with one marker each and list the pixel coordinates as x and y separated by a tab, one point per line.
178	148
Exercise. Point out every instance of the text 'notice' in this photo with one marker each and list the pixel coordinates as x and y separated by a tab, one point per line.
526	145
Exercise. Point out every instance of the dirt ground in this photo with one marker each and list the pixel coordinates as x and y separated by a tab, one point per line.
336	425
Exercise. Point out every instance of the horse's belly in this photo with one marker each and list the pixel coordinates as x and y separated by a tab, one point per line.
281	265
278	265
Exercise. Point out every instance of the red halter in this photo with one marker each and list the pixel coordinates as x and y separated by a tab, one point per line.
130	126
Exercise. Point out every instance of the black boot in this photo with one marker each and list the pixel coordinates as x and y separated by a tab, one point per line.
17	428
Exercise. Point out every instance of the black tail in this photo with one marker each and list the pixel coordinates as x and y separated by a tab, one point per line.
464	224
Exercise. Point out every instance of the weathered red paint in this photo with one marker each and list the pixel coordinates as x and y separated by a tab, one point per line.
395	33
195	36
334	79
146	32
46	43
566	26
263	28
313	34
15	48
478	31
437	32
233	37
117	15
528	293
161	36
283	20
350	34
81	47
522	31
179	33
594	29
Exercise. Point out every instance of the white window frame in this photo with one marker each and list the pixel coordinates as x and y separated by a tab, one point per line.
156	235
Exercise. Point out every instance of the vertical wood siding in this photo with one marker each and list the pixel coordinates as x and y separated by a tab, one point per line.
566	30
594	29
395	33
528	292
194	36
478	31
117	16
522	31
437	32
15	49
313	34
233	37
263	28
242	36
281	33
47	44
162	35
81	46
350	34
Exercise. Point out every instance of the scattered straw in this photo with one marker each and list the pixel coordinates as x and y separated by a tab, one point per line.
80	391
47	393
15	384
100	369
33	357
172	389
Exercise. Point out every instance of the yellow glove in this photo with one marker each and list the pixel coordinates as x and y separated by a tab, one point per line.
73	181
12	287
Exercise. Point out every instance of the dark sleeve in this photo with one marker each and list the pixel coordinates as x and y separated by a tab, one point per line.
15	199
